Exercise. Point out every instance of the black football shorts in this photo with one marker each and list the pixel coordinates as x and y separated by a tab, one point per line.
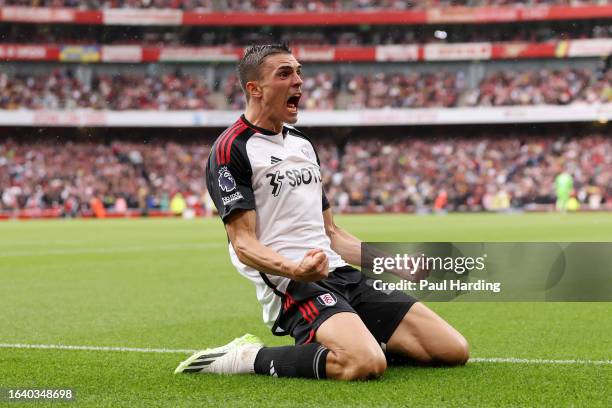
307	305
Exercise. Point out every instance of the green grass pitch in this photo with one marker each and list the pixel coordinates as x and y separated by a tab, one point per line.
169	284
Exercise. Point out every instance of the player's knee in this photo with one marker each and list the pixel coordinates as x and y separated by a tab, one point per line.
373	365
369	366
456	351
462	351
361	365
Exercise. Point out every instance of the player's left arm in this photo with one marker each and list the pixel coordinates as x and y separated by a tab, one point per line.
343	243
350	249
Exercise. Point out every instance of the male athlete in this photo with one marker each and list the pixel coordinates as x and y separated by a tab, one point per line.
564	184
265	180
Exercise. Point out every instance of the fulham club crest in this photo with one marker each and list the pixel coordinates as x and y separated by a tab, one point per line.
327	299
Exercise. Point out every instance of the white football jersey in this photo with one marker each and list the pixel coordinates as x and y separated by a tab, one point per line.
278	176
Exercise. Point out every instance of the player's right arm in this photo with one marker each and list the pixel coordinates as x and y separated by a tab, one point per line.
228	178
240	227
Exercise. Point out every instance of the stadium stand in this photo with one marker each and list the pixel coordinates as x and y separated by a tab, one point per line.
62	90
378	68
472	173
308	36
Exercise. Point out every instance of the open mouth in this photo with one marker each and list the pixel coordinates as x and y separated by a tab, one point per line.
292	103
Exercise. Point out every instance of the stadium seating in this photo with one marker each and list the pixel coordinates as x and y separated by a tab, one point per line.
61	89
366	63
474	174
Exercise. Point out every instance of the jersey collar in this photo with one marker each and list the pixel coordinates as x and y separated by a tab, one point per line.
261	130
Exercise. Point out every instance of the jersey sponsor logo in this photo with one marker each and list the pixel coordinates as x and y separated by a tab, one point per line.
226	180
276	181
327	299
294	177
231	198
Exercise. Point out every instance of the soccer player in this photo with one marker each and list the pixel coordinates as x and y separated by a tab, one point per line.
264	177
564	184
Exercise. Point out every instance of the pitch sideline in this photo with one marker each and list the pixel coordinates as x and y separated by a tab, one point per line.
508	360
112	250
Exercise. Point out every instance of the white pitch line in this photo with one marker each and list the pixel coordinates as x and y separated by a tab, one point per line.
513	360
111	250
510	360
95	348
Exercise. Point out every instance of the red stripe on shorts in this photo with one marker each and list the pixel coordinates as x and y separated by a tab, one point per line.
305	313
314	308
310	336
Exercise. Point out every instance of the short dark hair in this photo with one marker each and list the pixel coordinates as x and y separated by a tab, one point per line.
254	56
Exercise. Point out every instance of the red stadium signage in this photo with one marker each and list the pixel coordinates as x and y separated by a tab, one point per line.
122	53
200	54
126	16
175	17
11	52
458	52
590	48
293	18
38	15
407	53
516	50
69	118
397	53
472	15
315	53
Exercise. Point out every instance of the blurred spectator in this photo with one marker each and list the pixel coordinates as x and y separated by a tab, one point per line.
468	174
178	204
458	174
61	89
404	90
542	87
47	175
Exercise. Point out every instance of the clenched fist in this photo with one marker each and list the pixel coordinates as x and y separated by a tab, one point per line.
314	267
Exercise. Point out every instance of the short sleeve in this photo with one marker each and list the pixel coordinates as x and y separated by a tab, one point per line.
325	200
229	184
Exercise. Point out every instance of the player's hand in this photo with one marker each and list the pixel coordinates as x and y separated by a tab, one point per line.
314	267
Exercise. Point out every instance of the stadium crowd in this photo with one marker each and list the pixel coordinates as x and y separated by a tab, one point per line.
63	89
547	87
128	175
437	174
307	36
469	174
284	5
